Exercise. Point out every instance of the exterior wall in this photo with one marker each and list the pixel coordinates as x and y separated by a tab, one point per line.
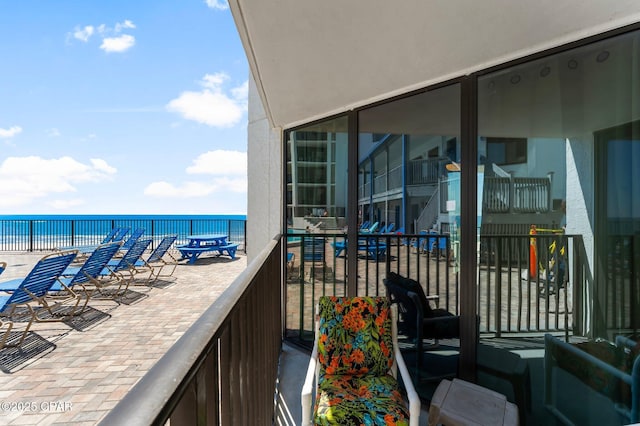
580	192
264	204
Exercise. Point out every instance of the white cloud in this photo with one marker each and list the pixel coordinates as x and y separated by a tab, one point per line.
217	4
121	25
10	132
24	179
66	204
83	34
194	189
241	93
229	169
118	44
220	162
102	166
112	39
186	190
212	106
214	81
53	132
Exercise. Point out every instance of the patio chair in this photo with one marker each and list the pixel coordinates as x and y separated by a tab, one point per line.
116	234
417	320
156	262
3	266
135	236
120	271
420	242
291	267
30	291
64	291
354	365
373	228
126	245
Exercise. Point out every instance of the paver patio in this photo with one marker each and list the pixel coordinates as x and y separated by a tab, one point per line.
74	372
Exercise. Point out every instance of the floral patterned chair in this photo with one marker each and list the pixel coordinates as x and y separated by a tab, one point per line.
354	365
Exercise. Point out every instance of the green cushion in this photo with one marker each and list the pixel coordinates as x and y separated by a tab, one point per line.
365	400
355	336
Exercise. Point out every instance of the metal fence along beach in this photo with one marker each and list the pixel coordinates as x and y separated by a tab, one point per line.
33	233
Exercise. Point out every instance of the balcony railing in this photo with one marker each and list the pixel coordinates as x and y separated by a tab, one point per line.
426	171
380	183
506	282
516	195
223	370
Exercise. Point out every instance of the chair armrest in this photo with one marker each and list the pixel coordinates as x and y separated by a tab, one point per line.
306	396
412	395
436	298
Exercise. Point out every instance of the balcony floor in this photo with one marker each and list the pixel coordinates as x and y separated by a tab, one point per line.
74	372
590	408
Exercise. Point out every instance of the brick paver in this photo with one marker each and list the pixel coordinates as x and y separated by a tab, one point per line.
65	375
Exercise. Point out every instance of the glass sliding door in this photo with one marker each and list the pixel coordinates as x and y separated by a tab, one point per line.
409	201
316	209
558	226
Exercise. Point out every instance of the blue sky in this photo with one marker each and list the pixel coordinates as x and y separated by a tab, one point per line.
121	107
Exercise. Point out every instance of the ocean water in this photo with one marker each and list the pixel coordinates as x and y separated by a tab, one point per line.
18	232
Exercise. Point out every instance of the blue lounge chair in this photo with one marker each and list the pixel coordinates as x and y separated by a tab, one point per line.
116	234
30	291
62	292
123	270
3	266
65	290
156	262
371	246
118	237
373	228
314	249
135	236
420	243
291	262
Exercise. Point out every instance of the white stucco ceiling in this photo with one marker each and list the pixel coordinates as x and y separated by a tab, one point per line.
314	58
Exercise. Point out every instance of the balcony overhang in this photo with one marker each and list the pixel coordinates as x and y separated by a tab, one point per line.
311	59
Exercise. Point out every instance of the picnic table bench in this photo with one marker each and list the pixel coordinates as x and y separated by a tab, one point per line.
199	244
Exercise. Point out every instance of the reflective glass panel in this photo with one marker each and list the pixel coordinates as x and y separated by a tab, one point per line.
559	219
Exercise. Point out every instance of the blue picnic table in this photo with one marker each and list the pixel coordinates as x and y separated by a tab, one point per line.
203	243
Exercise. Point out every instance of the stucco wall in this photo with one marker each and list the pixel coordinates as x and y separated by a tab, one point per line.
264	204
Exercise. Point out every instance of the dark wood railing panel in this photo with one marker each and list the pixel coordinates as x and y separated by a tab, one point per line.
223	370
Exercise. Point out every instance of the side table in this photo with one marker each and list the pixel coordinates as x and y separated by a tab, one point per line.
460	403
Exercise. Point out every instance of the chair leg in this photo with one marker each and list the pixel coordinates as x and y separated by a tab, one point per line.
7	334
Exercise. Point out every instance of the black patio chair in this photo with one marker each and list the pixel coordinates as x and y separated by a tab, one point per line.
417	320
